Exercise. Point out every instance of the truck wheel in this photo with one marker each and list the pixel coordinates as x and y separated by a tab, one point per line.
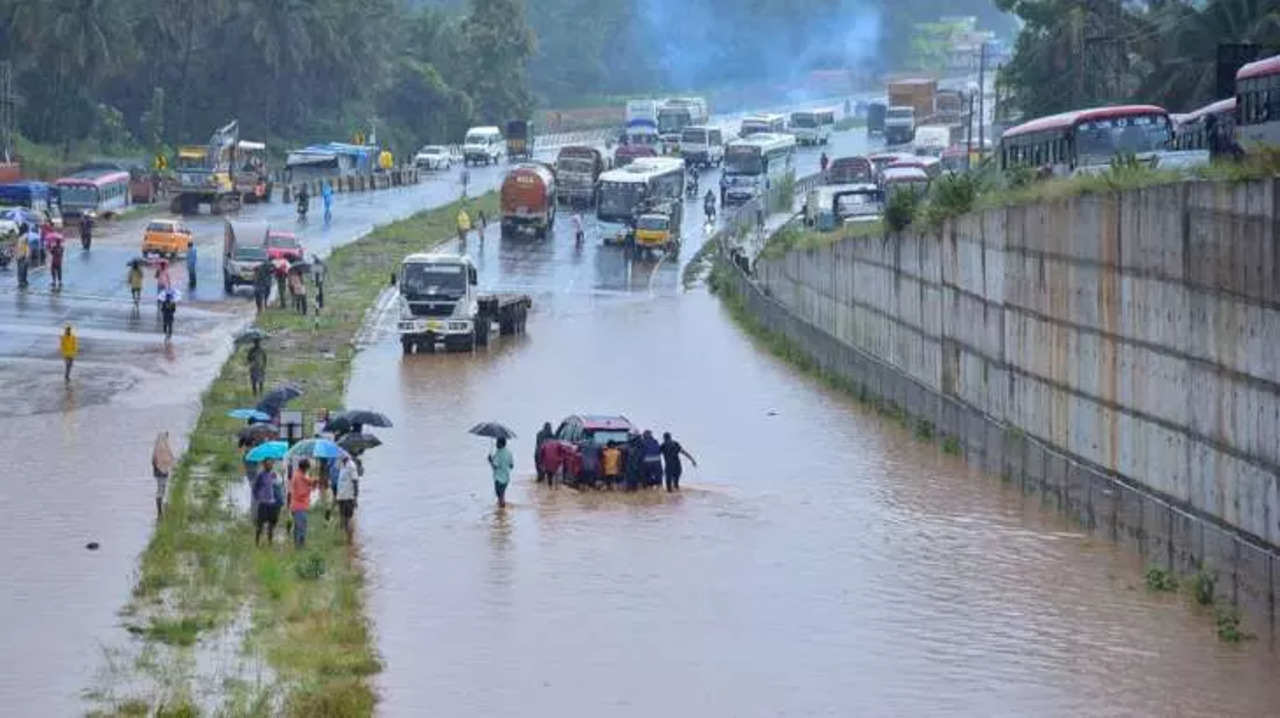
227	285
407	345
482	334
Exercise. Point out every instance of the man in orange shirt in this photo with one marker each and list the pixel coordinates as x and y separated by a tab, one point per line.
300	486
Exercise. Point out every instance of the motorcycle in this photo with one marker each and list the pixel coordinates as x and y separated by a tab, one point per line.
6	256
304	203
86	233
691	190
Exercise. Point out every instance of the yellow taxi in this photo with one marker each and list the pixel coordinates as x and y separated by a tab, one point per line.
165	237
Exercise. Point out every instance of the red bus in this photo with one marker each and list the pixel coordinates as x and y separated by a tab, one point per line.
1087	140
1258	103
101	191
1196	129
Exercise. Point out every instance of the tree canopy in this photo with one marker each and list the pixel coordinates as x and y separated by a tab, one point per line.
145	73
1073	54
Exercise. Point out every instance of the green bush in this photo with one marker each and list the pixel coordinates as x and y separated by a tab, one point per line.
901	209
952	195
1161	580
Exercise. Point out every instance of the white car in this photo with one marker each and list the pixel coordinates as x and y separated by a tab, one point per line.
433	157
8	226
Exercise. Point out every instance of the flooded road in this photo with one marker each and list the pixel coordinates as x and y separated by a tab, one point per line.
79	452
819	561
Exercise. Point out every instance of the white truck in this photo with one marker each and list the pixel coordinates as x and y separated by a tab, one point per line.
678	113
899	125
642	122
439	304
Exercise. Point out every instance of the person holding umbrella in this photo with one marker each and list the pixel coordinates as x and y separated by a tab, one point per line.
281	269
300	487
502	463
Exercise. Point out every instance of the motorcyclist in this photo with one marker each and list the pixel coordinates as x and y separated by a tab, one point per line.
709	205
823	162
304	201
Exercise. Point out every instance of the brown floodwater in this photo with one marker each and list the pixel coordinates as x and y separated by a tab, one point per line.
819	562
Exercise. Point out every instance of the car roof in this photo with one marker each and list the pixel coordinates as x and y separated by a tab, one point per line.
598	422
281	233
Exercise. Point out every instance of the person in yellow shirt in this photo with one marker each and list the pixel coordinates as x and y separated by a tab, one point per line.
464	225
70	346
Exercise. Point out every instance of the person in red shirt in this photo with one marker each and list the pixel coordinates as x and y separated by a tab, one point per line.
300	487
549	461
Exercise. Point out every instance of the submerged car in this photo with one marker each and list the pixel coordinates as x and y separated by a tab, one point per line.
433	157
580	430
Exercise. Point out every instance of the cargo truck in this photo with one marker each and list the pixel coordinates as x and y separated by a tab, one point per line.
440	304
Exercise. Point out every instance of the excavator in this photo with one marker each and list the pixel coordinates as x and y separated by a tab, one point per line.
206	175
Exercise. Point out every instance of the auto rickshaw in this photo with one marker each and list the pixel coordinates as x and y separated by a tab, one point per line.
656	230
875	118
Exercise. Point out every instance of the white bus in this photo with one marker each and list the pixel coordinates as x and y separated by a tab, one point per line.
755	124
813	127
752	164
623	190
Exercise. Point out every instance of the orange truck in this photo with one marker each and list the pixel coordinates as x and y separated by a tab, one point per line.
528	200
917	93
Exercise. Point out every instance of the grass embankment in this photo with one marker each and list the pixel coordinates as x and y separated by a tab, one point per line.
201	572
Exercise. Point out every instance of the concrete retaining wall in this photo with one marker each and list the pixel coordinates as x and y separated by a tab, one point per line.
1118	355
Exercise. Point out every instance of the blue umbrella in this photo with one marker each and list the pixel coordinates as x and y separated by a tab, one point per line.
269	450
248	415
316	449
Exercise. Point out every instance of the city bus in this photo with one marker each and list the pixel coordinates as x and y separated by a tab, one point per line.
1197	130
1088	140
102	191
1258	104
813	127
625	190
756	124
752	164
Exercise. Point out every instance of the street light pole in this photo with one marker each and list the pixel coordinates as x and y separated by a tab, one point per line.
982	96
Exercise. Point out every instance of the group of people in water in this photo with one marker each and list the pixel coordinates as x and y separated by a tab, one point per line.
640	462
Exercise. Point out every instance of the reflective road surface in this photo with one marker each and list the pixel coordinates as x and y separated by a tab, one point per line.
819	562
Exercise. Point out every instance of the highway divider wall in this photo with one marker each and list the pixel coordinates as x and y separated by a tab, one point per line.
1118	355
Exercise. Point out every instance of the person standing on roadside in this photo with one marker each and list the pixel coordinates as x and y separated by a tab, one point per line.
501	462
317	273
282	276
300	486
346	493
544	434
69	346
161	467
257	361
671	453
266	501
191	264
55	264
22	255
464	225
262	286
481	223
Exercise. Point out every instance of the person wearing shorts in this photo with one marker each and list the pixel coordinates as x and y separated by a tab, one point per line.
266	501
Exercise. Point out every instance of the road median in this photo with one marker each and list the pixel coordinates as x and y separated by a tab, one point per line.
218	625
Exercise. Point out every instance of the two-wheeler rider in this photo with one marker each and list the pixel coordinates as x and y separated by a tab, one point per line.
304	201
86	230
709	205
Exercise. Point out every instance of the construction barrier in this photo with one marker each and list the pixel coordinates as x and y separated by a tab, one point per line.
399	177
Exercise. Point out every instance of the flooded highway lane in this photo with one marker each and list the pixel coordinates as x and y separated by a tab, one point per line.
819	561
79	452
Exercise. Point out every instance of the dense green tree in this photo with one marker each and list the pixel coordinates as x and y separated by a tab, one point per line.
497	44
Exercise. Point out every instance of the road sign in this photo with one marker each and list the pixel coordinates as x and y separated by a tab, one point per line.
161	162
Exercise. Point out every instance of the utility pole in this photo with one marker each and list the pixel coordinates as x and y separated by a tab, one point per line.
982	96
8	112
968	138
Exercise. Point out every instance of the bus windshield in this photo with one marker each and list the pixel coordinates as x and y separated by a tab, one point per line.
1097	141
752	127
803	120
618	199
672	120
78	195
743	161
694	137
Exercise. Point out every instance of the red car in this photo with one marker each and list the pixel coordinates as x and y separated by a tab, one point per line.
283	245
580	429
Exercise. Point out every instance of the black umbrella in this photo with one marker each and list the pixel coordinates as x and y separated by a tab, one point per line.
493	430
274	400
252	334
348	420
354	443
300	267
257	431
